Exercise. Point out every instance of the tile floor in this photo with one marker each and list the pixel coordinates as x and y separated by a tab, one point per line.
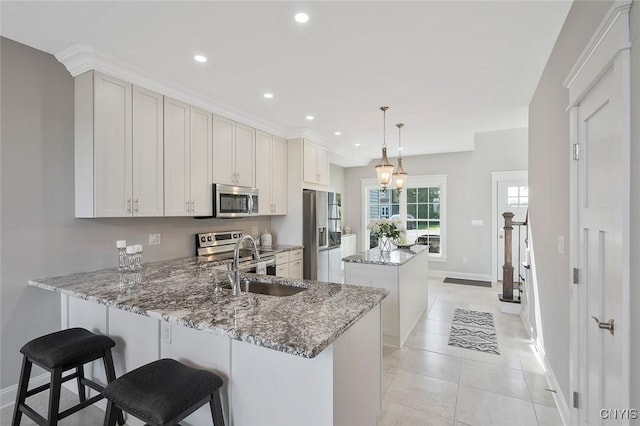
428	382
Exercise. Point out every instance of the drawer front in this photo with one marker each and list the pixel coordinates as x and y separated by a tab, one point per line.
296	255
283	270
282	258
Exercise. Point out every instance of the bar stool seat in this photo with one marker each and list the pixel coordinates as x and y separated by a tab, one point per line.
58	352
163	393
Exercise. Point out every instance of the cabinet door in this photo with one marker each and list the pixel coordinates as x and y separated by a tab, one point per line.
279	175
224	133
296	270
322	167
245	151
309	164
264	173
112	147
148	141
201	158
283	270
137	340
177	180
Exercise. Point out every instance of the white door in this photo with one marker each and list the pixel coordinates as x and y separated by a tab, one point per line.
513	196
602	208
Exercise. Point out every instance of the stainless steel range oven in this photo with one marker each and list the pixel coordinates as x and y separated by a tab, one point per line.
218	246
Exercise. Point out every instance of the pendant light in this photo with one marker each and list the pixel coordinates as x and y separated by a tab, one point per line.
384	169
400	176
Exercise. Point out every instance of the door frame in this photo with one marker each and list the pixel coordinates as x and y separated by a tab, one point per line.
608	50
495	178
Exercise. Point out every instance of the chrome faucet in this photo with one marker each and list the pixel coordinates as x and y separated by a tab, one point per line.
234	276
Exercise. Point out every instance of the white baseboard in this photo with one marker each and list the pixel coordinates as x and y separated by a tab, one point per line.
558	396
511	308
460	275
8	395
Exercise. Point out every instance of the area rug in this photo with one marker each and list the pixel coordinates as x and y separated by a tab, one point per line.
448	280
473	330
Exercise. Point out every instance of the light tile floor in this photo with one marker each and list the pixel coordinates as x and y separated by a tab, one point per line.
428	382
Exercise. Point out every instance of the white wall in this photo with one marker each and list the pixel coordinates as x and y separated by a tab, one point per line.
549	156
635	205
40	236
468	194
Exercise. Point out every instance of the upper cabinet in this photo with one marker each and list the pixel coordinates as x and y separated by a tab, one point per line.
234	147
188	158
271	174
315	165
118	148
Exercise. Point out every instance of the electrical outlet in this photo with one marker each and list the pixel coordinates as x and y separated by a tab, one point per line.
166	332
155	239
561	245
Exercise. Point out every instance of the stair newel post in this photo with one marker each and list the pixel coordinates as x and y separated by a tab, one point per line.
507	268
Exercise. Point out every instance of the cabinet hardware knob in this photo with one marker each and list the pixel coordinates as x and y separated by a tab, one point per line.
193	207
188	206
137	204
609	325
128	205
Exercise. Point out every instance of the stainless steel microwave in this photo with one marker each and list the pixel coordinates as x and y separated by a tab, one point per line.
234	201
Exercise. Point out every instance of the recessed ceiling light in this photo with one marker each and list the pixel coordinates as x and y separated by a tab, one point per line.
399	148
200	58
310	117
268	95
357	144
337	133
301	17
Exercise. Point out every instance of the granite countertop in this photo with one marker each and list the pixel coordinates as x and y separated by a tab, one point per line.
180	291
396	257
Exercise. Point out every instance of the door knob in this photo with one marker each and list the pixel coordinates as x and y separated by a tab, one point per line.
605	325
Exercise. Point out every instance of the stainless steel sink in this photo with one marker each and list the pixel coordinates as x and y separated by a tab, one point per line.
268	288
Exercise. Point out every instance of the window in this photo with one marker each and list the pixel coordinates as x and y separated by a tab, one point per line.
421	206
518	196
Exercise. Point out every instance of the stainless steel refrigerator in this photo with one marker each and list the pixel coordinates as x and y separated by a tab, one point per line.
322	218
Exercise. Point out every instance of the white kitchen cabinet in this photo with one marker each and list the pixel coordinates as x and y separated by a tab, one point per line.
118	148
296	270
187	163
315	164
201	162
234	148
348	244
271	174
289	264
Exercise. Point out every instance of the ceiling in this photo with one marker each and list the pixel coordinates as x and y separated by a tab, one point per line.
446	69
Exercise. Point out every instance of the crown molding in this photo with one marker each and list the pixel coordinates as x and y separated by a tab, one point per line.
611	37
81	58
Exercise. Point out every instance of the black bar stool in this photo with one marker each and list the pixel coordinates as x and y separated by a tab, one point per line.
58	352
162	393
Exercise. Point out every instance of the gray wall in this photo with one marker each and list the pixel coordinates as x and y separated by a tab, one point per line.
468	194
635	205
549	152
40	236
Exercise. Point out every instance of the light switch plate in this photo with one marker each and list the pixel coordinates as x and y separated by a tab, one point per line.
561	244
477	222
166	332
155	239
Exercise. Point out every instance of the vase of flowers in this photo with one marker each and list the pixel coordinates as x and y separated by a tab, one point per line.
386	230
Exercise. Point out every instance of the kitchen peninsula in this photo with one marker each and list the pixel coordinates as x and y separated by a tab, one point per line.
404	273
312	358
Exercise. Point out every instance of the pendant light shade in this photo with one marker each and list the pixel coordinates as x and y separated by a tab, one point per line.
384	169
400	176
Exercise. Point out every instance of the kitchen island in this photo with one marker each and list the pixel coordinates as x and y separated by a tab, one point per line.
404	273
312	358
